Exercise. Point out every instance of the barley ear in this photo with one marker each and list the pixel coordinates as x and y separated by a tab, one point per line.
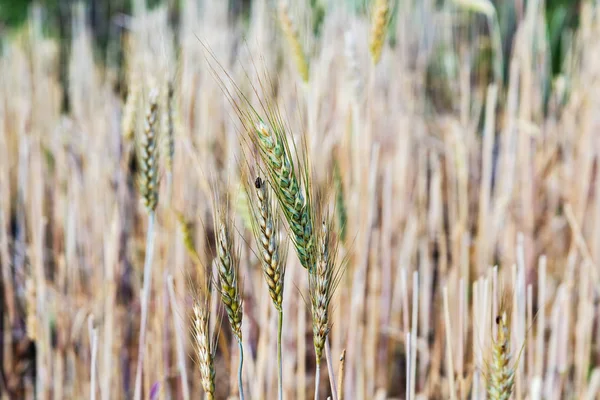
378	28
147	154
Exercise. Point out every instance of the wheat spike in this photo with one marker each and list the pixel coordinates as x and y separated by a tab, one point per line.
204	347
293	38
265	223
321	285
501	375
277	157
148	155
228	271
378	28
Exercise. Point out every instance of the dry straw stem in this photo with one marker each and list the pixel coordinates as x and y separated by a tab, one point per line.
204	346
293	38
147	152
378	28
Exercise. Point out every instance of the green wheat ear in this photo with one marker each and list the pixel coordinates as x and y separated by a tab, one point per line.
295	205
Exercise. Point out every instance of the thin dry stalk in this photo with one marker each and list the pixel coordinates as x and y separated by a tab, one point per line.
340	382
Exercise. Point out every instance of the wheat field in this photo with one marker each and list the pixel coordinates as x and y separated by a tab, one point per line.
364	199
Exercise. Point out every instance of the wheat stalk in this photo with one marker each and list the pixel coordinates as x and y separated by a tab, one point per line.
378	28
293	38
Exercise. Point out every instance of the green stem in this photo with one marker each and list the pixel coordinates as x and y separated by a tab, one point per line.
317	379
279	371
240	385
145	299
